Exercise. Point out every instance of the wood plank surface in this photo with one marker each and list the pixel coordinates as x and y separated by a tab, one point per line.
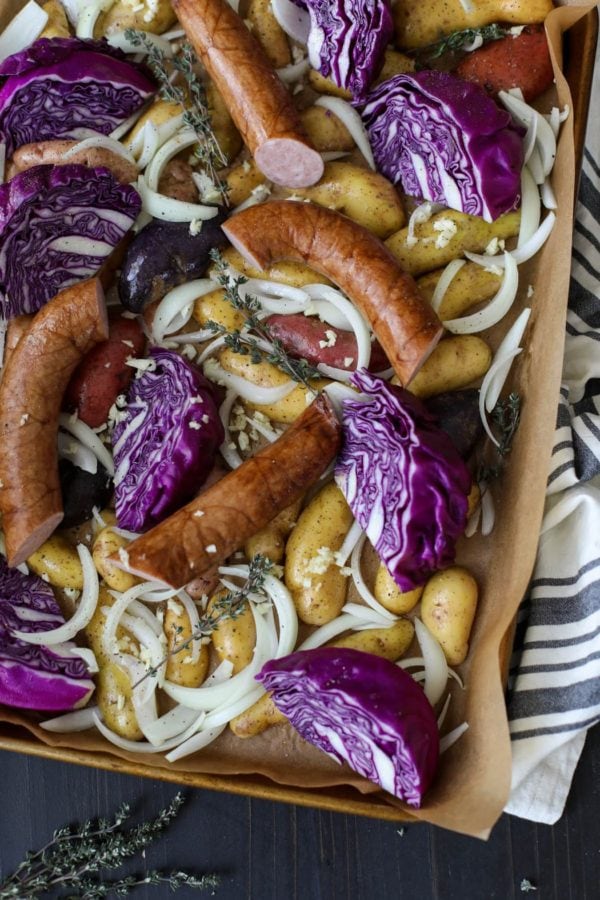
269	851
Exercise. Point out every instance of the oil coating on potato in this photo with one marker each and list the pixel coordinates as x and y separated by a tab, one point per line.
57	562
242	180
265	374
364	196
106	543
387	592
325	131
471	285
456	362
182	669
57	25
448	609
270	541
317	584
269	33
234	639
214	307
295	274
446	236
156	16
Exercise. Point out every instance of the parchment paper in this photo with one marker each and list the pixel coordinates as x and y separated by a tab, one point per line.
473	782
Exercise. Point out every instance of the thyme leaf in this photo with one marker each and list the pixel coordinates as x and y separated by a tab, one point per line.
75	854
240	341
506	415
458	40
197	115
229	606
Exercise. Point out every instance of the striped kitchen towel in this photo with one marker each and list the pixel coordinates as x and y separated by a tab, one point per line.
554	688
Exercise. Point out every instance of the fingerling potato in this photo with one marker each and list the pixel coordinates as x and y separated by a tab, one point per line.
242	180
106	543
181	667
387	592
324	85
269	33
448	608
57	562
113	698
471	285
325	131
316	584
456	362
234	639
155	17
295	274
446	236
227	135
270	541
57	25
214	307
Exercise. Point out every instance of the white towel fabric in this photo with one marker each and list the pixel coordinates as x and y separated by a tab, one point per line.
554	688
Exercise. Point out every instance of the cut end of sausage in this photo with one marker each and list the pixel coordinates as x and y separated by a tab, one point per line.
289	162
34	540
436	336
257	259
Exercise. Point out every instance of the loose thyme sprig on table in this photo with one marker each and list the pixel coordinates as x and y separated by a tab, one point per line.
458	40
196	117
74	855
506	415
230	606
240	342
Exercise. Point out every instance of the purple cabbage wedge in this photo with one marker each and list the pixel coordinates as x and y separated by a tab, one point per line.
403	479
34	677
57	226
362	710
443	139
165	444
68	88
347	40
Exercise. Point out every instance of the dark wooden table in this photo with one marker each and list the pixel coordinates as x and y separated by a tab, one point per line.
267	851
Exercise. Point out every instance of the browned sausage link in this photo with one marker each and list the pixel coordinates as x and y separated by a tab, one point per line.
404	323
15	331
53	152
31	392
208	530
258	102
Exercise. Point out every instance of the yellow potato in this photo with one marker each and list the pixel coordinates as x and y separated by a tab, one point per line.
324	85
241	181
448	608
295	274
389	594
456	362
473	500
94	631
181	669
156	16
113	697
57	562
107	543
447	236
388	643
421	22
57	25
318	594
325	131
214	307
364	196
234	639
394	63
227	135
108	517
158	113
471	285
265	374
269	33
270	541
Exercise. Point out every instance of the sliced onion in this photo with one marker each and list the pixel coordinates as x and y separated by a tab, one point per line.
357	322
467	5
222	673
147	638
121	42
349	117
229	453
192	337
473	522
510	342
436	667
226	713
294	20
548	195
445	279
88	15
131	746
419	216
273	291
169	315
354	533
545	139
184	138
122	129
88	656
148	141
328	632
521	254
529	140
282	600
104	142
192	613
172	724
22	30
193	744
361	587
294	72
257	195
452	737
88	438
530	208
254	393
80	720
73	450
488	514
498	364
82	615
443	713
498	306
412	663
367	617
337	393
174	35
534	164
159	206
122	602
136	608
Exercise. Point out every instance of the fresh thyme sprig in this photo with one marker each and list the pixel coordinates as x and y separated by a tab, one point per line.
243	343
229	606
506	415
74	855
458	40
197	116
